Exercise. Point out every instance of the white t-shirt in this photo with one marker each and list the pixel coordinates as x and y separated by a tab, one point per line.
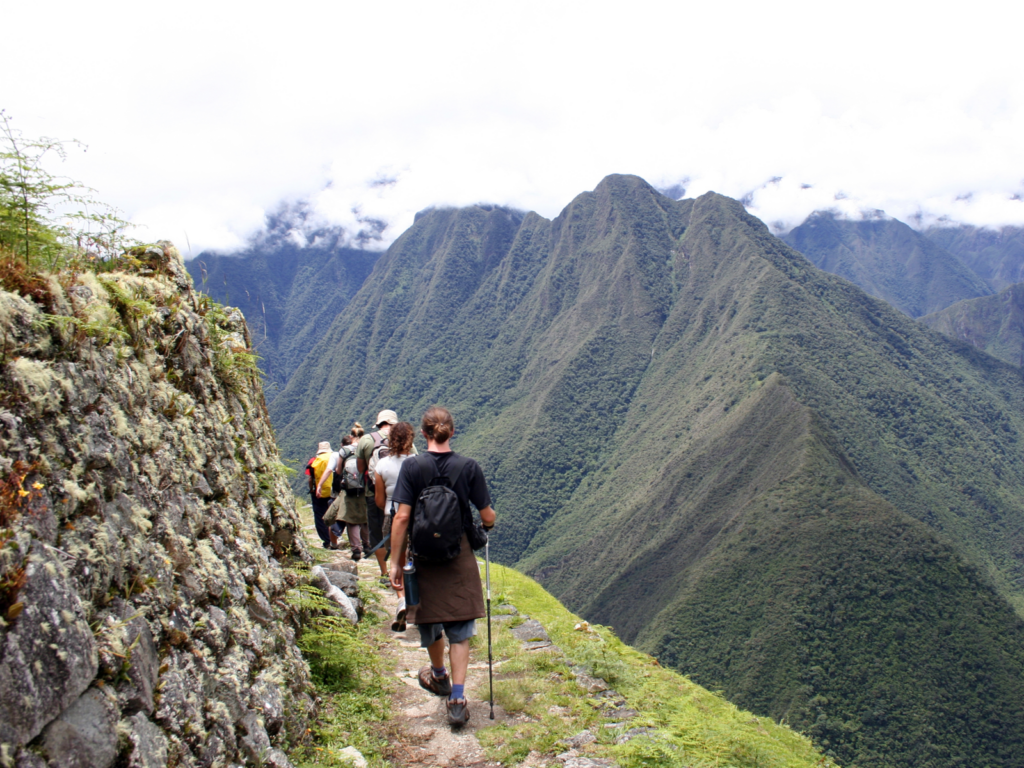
388	469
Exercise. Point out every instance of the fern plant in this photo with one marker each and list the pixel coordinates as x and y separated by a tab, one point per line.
330	643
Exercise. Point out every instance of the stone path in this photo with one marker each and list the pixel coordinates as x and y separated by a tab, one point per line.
425	738
422	734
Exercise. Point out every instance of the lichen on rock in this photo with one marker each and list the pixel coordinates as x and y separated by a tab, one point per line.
140	566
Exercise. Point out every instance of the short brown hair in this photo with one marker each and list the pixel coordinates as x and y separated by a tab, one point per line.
438	424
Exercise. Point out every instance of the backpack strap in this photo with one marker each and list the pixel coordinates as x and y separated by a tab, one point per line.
457	464
428	467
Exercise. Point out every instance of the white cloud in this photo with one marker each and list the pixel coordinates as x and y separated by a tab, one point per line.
202	117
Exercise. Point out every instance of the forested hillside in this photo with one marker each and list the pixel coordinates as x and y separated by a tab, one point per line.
995	255
887	259
994	324
289	293
781	485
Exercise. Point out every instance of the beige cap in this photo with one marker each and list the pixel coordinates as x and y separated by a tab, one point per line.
324	447
386	417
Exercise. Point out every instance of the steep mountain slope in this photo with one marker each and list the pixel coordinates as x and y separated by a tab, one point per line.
672	404
887	259
774	573
997	256
290	295
992	323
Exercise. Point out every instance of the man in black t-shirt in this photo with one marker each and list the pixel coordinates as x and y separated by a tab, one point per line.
451	596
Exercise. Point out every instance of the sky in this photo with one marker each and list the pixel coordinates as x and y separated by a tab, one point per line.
201	118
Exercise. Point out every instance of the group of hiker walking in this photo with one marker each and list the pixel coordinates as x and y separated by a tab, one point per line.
415	508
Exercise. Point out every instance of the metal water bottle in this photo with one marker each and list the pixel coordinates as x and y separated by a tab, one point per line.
412	587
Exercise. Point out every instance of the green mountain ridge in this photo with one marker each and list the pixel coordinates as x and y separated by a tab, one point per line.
889	260
994	324
995	255
666	400
289	294
777	575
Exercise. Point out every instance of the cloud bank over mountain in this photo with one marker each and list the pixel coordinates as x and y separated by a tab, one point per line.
370	114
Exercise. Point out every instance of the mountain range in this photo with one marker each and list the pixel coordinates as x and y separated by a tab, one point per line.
290	288
889	260
776	483
992	323
995	255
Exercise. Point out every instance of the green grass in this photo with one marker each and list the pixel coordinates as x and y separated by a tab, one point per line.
349	667
694	727
545	704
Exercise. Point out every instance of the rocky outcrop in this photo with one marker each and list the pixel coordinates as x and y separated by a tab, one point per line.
143	517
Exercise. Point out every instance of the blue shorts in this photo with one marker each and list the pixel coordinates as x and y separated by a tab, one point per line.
455	631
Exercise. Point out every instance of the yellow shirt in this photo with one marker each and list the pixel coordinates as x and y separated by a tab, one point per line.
319	464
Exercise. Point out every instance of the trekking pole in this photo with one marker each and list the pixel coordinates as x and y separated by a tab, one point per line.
490	660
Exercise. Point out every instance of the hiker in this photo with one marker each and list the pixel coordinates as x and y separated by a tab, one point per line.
331	479
349	508
451	597
368	452
385	478
320	490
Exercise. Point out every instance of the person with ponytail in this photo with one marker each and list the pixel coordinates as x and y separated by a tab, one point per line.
451	595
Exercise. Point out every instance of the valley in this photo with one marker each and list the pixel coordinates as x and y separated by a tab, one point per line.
745	465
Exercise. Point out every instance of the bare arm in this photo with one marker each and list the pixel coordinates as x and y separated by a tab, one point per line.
488	516
379	494
399	527
323	478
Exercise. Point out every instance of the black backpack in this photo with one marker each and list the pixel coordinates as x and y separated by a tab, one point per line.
439	519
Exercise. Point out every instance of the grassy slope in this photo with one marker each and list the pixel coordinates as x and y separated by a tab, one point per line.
289	296
694	726
639	375
997	256
889	260
992	323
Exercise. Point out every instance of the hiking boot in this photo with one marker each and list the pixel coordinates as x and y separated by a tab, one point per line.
357	555
398	625
437	686
458	712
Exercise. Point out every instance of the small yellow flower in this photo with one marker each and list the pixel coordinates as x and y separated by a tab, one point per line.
38	486
22	492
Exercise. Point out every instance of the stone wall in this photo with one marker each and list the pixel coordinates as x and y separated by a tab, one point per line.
143	512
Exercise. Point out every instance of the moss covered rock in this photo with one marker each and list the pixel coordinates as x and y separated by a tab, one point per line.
143	519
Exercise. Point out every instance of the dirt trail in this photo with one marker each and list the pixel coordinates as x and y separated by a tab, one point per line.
425	738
